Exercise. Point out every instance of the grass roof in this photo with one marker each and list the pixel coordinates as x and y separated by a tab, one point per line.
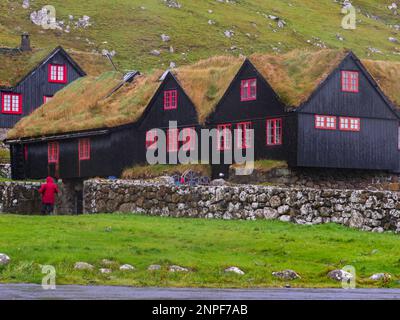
16	65
387	75
295	75
206	81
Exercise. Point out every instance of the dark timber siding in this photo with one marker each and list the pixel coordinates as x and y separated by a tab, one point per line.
374	147
231	110
35	86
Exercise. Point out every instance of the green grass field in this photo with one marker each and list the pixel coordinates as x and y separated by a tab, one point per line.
205	246
122	25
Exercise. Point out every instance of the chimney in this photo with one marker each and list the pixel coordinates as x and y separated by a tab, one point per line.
25	42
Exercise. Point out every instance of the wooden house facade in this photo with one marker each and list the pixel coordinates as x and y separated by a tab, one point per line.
344	120
20	93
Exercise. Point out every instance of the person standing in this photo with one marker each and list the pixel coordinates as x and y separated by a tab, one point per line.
48	191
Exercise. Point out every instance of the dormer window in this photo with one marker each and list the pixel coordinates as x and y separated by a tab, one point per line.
84	149
248	90
11	103
170	99
350	81
57	73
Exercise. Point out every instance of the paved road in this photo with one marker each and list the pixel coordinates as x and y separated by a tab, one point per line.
28	291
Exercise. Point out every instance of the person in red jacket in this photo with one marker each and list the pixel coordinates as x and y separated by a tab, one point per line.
48	191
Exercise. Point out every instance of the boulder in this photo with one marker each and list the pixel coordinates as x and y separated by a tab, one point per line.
105	270
286	275
126	267
83	266
234	270
340	275
154	267
380	276
175	268
4	259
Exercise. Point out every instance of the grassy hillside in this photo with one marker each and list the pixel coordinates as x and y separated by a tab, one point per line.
207	247
133	28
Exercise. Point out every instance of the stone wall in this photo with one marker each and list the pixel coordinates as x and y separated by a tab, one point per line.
20	197
367	210
322	178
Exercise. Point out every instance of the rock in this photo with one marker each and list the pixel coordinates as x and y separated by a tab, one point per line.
175	268
165	38
126	267
228	33
83	22
154	267
172	65
270	213
4	259
275	202
340	275
218	182
172	4
285	218
211	22
155	52
380	276
234	270
286	275
394	40
105	270
83	266
25	4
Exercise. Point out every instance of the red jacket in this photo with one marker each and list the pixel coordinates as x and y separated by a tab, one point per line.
48	190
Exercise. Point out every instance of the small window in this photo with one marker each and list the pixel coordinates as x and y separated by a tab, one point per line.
84	149
249	90
12	103
350	81
325	122
151	139
170	99
172	140
349	124
189	139
243	135
26	152
47	99
224	137
274	132
53	152
57	73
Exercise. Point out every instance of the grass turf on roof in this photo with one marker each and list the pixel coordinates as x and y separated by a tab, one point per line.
295	75
14	67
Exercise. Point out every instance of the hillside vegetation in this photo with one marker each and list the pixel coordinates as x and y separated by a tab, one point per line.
133	28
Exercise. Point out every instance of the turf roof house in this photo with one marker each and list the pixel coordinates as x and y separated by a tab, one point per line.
30	77
343	119
250	103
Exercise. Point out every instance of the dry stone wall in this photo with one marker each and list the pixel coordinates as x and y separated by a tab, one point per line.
375	211
20	197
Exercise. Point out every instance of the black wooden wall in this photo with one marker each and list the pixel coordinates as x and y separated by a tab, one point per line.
374	147
34	87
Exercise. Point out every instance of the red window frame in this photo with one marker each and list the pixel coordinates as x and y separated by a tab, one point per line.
241	135
84	149
53	77
350	81
47	99
151	139
189	134
12	98
321	122
222	134
248	90
170	99
274	132
53	152
349	124
26	152
172	140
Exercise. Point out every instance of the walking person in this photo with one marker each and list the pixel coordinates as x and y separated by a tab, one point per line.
48	191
